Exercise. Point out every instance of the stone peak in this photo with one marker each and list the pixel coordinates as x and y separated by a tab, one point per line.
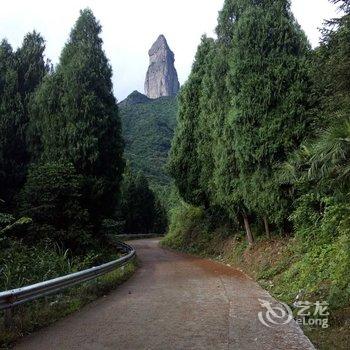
160	44
161	78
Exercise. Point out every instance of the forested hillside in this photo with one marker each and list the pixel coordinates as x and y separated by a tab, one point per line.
148	127
261	156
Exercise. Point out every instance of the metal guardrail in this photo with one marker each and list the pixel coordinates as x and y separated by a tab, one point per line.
14	297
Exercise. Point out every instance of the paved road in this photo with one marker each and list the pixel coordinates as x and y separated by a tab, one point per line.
173	301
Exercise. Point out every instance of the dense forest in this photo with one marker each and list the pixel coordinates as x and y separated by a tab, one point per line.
261	147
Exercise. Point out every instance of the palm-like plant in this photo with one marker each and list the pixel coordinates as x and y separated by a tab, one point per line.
330	155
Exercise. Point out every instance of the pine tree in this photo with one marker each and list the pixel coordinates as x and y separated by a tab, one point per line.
344	5
75	118
9	110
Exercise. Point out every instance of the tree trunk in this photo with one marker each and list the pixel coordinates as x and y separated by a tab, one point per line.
250	237
267	228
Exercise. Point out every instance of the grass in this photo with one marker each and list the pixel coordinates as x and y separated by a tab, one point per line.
43	312
335	337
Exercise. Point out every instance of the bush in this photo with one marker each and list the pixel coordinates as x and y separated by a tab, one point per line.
195	230
322	264
184	220
319	273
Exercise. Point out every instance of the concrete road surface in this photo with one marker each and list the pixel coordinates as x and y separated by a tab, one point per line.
173	301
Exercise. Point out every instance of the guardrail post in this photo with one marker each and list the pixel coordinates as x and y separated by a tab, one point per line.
8	319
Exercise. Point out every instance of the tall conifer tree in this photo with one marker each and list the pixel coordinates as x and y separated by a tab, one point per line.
20	74
226	180
184	164
269	82
75	117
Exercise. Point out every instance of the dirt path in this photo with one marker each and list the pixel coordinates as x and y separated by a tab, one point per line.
173	301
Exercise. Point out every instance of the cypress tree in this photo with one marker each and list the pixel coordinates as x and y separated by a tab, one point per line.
9	107
269	83
184	164
138	204
75	118
21	72
226	180
206	120
52	198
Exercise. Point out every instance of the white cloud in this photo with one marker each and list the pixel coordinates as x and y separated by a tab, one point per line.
130	27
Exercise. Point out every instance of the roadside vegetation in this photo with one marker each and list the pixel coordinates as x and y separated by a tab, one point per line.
260	156
30	317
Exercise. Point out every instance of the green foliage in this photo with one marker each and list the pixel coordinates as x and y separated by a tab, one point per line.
43	312
5	220
16	227
184	164
195	230
243	110
140	210
225	168
261	135
320	273
52	197
330	156
21	265
269	86
160	224
20	74
61	164
319	170
184	219
74	117
148	127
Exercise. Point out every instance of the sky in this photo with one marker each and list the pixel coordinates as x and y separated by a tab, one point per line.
131	26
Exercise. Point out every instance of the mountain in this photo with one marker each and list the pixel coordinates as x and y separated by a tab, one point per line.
148	128
161	77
